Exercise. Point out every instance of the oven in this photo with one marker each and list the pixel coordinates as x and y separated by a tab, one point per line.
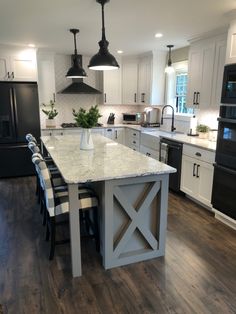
224	180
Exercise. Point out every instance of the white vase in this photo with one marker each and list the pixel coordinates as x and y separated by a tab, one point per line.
50	123
86	141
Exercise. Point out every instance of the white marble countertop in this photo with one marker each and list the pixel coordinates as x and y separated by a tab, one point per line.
108	160
183	138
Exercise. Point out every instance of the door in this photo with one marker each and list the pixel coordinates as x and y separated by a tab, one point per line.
7	114
224	191
26	105
204	173
189	184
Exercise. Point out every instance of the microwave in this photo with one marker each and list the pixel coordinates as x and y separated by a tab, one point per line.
228	95
132	118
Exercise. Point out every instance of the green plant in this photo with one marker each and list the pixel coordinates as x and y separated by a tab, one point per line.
52	112
88	119
203	128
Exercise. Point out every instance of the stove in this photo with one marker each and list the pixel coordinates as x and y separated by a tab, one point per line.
74	125
150	125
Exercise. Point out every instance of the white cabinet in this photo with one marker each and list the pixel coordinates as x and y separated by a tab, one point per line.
144	80
132	139
46	77
129	81
112	86
18	65
115	134
231	44
149	145
205	74
197	173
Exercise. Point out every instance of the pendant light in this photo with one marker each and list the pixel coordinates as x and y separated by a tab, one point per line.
76	71
103	60
169	68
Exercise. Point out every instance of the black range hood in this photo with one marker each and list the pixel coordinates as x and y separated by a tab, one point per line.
78	86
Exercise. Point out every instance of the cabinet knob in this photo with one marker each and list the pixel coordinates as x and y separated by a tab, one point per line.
8	75
105	97
54	97
135	97
198	166
12	75
198	154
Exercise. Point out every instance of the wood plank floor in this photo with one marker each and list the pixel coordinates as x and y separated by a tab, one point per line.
197	274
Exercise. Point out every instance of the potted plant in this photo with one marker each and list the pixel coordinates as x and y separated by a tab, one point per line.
203	130
86	120
51	114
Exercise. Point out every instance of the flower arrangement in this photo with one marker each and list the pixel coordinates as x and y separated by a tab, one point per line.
52	112
88	119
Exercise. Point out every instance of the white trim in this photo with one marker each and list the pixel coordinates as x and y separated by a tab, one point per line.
225	219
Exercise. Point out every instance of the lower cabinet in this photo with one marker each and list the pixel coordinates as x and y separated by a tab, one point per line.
197	177
149	152
115	134
132	139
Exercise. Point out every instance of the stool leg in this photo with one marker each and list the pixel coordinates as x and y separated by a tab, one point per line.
53	237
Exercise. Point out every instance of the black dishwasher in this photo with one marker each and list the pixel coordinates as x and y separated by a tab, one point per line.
171	154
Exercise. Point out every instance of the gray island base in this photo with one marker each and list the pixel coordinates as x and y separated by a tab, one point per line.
133	193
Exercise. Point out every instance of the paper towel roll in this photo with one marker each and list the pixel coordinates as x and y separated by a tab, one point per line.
193	126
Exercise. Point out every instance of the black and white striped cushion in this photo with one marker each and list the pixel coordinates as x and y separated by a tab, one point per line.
58	203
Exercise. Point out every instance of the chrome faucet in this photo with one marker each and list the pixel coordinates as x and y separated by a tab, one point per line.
172	118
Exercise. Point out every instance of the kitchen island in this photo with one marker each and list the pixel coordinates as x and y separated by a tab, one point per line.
133	193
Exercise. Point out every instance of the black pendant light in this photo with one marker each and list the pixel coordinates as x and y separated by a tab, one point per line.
76	71
169	68
103	60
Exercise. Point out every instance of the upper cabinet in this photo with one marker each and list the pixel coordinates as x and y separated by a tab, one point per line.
130	80
112	86
231	44
205	74
18	65
143	79
46	77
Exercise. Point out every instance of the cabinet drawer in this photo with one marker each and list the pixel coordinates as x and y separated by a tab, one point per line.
199	153
149	152
149	140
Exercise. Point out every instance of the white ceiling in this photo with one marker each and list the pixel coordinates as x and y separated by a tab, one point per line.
130	24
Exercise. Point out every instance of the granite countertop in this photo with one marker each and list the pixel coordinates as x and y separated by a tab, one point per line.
108	160
183	138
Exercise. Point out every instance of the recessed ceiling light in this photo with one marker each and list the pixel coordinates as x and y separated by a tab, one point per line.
158	35
31	45
120	51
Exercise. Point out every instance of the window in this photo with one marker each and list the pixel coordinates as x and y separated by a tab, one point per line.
181	91
176	89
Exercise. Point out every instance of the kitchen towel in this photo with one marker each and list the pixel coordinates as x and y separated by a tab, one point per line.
164	153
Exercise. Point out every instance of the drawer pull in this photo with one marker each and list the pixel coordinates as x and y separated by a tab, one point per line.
198	166
134	134
148	154
134	142
198	154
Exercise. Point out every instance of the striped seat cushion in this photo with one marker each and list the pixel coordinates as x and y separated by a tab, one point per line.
87	200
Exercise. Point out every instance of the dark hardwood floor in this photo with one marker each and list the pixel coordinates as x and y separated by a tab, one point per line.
197	274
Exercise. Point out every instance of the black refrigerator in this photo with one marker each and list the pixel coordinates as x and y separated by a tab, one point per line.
19	115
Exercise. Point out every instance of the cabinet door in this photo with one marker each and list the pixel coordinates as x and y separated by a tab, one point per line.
194	74
24	67
205	179
4	67
109	133
144	80
218	72
46	78
129	82
118	135
208	55
149	152
189	182
112	87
